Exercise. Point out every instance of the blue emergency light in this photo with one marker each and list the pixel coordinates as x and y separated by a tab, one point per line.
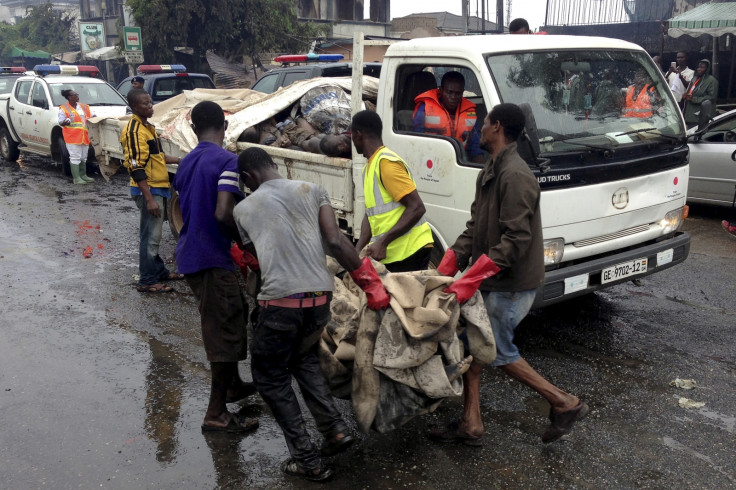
309	57
88	70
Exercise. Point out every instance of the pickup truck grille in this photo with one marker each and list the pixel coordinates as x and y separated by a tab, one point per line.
610	236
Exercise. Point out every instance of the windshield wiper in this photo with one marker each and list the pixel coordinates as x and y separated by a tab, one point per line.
593	147
649	130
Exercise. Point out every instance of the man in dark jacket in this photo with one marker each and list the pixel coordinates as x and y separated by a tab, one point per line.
703	86
505	229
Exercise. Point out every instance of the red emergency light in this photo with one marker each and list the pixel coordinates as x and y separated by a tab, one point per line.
12	69
143	69
82	70
309	57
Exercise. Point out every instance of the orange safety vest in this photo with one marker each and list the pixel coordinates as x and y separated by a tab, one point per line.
438	121
76	133
642	106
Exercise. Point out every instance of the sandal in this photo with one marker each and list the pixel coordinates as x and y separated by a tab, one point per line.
453	433
292	468
154	288
333	445
173	276
561	422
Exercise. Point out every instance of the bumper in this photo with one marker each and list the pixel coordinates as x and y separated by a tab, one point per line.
559	284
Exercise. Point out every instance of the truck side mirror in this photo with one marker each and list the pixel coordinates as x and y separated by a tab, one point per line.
706	114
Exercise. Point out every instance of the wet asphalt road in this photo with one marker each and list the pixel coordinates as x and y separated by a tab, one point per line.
102	387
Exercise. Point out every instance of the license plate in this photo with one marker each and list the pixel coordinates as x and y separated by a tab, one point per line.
624	269
576	283
665	257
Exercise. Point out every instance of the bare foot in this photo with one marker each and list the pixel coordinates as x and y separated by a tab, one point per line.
456	370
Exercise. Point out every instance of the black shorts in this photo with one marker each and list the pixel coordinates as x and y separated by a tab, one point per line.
223	312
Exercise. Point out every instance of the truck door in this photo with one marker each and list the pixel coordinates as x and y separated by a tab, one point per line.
19	110
443	152
40	120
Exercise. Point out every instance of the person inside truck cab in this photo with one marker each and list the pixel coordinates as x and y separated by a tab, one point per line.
642	99
444	111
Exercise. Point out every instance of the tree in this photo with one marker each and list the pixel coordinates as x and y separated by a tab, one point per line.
42	28
230	28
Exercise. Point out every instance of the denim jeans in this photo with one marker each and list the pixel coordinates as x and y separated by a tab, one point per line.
151	266
285	344
506	310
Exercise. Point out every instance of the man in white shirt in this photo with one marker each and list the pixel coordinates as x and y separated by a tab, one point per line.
680	72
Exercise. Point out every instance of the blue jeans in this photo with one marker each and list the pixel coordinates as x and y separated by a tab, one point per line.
506	310
151	266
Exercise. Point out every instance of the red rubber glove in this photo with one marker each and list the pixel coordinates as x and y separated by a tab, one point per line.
244	259
448	264
465	287
367	279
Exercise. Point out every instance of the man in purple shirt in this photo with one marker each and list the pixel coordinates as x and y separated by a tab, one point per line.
207	183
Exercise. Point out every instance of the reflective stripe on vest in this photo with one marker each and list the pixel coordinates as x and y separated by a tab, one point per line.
76	133
383	212
642	106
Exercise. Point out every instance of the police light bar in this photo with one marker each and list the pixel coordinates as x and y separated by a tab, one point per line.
310	57
161	68
12	69
84	70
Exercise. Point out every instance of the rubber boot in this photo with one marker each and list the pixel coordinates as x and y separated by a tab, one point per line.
75	174
83	173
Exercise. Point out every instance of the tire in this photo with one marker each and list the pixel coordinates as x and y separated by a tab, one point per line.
173	212
8	148
63	157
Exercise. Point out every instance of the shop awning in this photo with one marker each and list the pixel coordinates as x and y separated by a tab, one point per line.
22	53
714	19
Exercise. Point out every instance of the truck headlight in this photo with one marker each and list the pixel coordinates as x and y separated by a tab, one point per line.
671	221
553	249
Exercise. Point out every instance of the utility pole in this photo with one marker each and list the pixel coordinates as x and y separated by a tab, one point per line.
499	15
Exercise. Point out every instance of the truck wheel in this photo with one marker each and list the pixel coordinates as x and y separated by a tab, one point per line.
173	212
64	157
8	147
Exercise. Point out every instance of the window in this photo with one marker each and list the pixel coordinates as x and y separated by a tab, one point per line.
422	104
93	94
39	97
23	90
293	76
722	132
267	83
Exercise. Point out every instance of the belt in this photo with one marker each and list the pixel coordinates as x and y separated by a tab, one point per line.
294	302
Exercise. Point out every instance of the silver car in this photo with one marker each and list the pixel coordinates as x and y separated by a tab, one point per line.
713	162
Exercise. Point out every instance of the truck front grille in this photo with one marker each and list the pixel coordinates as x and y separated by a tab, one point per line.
610	236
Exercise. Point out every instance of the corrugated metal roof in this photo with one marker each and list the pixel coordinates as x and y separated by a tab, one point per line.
708	16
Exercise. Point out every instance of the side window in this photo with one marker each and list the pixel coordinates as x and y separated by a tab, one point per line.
452	110
164	88
39	97
23	90
267	84
723	132
124	88
201	82
293	76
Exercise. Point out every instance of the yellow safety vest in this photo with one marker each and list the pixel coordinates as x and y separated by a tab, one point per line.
383	212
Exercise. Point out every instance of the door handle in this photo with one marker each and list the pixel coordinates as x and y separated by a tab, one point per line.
733	156
11	108
29	113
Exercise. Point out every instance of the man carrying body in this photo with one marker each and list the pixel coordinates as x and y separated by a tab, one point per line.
445	112
149	187
287	223
505	228
207	183
393	226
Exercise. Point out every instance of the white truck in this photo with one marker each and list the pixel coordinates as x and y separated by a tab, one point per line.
613	187
29	112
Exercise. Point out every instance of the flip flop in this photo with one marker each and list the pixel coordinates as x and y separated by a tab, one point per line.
237	424
173	276
561	422
292	468
154	288
452	433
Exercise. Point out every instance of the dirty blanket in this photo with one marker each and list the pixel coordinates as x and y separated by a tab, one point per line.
392	363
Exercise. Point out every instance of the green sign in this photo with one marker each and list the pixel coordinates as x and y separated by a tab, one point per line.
132	39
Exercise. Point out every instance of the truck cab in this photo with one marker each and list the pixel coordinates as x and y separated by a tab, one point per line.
163	82
29	112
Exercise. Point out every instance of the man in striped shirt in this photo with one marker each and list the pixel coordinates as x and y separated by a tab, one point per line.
207	183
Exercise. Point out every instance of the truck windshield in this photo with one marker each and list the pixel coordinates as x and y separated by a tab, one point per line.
589	99
89	93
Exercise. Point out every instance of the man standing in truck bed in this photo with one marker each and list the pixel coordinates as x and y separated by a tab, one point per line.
394	222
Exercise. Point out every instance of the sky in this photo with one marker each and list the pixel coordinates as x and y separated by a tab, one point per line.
532	10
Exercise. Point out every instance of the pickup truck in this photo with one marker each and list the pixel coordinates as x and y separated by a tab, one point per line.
613	187
29	112
163	82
